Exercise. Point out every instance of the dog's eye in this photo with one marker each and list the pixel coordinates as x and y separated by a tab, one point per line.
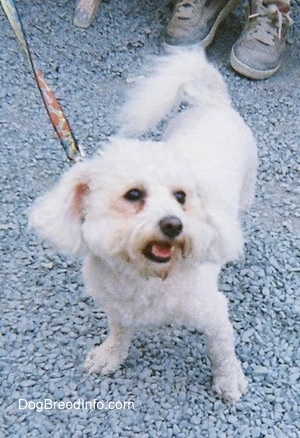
180	196
134	195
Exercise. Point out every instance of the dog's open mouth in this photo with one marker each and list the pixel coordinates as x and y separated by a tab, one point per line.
159	252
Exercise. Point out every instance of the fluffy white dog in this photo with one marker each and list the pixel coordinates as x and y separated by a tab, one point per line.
156	221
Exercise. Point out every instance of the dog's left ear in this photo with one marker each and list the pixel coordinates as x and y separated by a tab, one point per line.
227	241
57	216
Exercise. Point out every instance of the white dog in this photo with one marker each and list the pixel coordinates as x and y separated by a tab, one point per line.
156	221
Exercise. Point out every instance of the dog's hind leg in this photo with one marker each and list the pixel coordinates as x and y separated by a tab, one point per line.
108	357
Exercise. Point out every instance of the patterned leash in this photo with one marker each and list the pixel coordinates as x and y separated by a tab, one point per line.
54	110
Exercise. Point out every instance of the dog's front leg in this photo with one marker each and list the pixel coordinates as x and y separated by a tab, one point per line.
108	357
229	381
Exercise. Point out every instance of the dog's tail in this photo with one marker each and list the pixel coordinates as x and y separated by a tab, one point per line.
183	76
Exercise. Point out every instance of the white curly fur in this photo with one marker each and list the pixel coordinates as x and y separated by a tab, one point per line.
207	153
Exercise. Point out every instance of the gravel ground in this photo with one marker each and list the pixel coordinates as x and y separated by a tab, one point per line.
47	323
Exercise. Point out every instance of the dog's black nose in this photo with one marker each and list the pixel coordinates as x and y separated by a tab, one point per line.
171	226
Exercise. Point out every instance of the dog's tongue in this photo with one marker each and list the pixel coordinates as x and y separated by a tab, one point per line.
162	251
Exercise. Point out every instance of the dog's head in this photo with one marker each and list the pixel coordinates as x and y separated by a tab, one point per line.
136	202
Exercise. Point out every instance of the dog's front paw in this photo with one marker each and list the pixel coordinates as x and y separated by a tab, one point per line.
104	359
230	387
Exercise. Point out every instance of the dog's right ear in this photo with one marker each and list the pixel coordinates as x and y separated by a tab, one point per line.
57	216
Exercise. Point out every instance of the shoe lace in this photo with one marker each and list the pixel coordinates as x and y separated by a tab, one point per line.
270	20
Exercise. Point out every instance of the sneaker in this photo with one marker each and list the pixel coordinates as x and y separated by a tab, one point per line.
257	54
85	12
196	21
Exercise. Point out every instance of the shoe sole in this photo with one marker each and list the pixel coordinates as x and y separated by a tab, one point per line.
210	36
250	72
222	15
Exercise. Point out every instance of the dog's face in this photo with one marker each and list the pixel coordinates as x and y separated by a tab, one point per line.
137	202
145	210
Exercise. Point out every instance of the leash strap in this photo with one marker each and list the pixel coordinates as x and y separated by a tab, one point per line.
54	110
